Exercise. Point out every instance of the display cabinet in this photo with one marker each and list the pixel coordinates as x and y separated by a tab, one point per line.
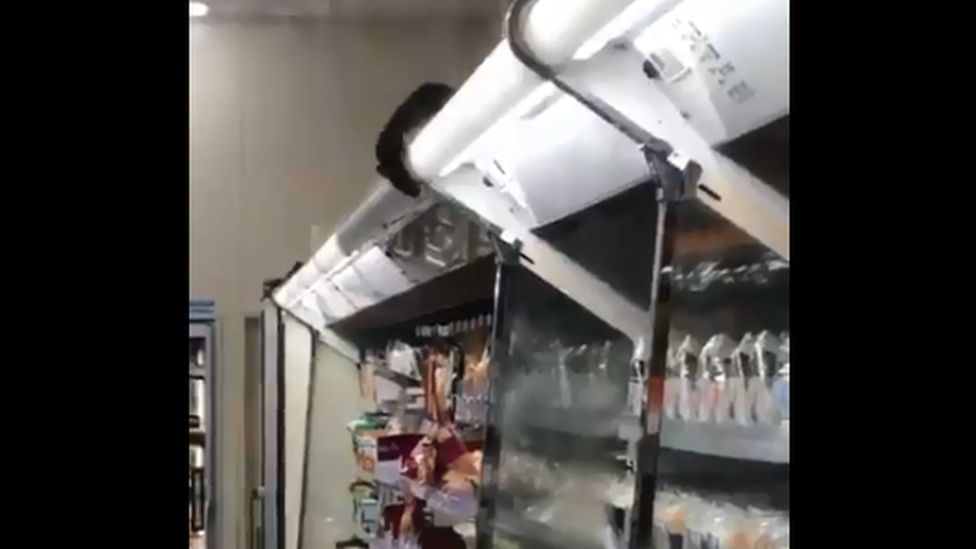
663	422
201	424
633	391
723	470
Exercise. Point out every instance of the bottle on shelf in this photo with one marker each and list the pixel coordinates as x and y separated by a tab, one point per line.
781	385
761	388
716	362
688	358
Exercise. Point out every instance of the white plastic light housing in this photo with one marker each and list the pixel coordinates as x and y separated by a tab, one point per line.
636	15
554	31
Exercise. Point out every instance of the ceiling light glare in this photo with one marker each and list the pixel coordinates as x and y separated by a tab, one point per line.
198	9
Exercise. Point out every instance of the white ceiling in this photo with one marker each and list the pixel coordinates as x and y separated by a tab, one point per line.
356	9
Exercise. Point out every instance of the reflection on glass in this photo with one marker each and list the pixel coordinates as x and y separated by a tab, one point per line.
561	394
724	465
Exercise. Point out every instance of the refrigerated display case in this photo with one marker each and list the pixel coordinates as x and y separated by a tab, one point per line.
589	437
201	424
638	375
723	470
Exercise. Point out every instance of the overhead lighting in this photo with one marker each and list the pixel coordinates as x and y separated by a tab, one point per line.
637	14
198	9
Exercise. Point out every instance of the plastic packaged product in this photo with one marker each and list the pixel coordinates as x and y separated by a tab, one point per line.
736	386
390	453
781	385
688	357
365	431
669	521
439	368
471	406
451	506
386	391
761	388
696	515
715	365
672	380
776	530
369	516
731	528
402	358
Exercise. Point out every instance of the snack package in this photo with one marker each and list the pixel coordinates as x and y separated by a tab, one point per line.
365	431
773	531
669	521
390	454
688	521
438	376
365	506
402	358
419	465
369	516
729	528
688	358
471	405
715	365
366	452
696	515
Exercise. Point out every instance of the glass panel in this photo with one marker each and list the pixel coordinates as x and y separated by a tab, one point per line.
724	464
560	394
566	402
614	240
331	466
438	240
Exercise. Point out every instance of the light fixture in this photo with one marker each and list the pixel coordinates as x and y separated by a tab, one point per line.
554	30
198	9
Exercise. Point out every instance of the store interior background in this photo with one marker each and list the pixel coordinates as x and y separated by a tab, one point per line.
286	100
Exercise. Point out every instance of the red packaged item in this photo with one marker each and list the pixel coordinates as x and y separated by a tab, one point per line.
441	538
390	454
438	376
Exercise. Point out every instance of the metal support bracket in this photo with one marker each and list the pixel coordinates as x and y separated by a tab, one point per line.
464	189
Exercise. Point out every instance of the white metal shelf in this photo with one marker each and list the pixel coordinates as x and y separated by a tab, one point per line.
766	443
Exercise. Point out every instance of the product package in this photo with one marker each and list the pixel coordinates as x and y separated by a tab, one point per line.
365	507
689	521
761	387
714	402
688	357
737	385
403	359
471	405
391	452
439	368
672	380
366	377
365	430
669	522
427	474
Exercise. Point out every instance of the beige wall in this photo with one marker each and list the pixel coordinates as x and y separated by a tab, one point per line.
283	117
